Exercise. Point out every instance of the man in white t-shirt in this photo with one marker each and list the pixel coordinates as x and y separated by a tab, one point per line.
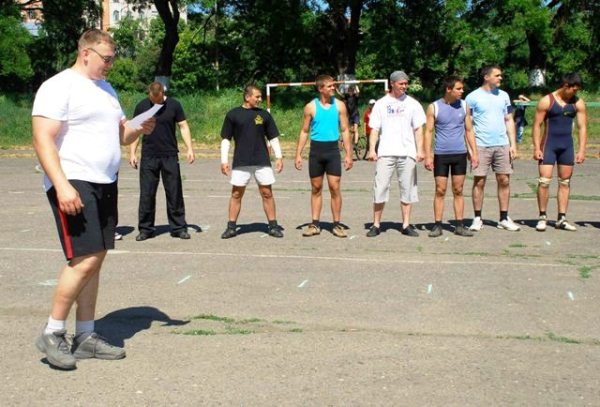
78	126
397	122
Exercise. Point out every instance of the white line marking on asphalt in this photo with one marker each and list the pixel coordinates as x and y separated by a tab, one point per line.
352	237
120	251
49	283
217	196
204	227
571	296
429	288
548	243
446	239
26	230
184	279
16	192
302	284
432	260
263	235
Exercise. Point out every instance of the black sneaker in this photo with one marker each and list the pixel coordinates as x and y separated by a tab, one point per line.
143	236
409	231
373	231
183	234
436	230
275	231
229	233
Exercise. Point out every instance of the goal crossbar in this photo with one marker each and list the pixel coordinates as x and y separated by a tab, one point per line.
293	84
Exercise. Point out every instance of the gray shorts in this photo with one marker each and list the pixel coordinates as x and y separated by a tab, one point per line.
498	158
406	170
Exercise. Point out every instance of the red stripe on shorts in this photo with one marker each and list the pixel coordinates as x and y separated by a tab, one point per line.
66	236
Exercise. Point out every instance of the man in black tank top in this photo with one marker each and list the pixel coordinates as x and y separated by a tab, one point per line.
554	145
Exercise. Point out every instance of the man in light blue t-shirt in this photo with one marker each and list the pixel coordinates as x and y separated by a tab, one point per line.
496	145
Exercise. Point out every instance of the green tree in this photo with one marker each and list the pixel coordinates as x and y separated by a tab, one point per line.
15	64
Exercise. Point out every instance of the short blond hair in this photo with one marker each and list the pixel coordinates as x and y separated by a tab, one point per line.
94	37
322	79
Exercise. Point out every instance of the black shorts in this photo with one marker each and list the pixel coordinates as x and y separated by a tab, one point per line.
324	158
93	230
443	164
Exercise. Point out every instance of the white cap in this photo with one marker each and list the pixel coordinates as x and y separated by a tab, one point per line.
372	101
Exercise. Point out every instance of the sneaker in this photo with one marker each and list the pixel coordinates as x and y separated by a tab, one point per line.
373	231
143	236
56	348
312	230
229	233
181	235
276	231
338	231
95	346
461	230
542	223
564	224
508	224
409	231
118	236
477	224
436	231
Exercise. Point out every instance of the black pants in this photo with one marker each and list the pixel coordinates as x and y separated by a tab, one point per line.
151	170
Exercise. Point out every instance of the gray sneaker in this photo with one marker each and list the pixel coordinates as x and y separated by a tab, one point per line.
56	348
436	231
95	346
461	230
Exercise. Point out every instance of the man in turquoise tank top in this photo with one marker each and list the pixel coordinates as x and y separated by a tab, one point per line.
324	119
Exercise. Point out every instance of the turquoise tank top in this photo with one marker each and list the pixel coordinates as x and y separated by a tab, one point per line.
325	125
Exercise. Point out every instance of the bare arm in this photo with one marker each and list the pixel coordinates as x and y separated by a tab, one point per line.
133	161
45	132
470	138
582	131
127	135
343	117
512	138
536	133
309	112
428	137
186	135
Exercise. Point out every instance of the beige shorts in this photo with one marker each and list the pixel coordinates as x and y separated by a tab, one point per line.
406	170
498	158
240	177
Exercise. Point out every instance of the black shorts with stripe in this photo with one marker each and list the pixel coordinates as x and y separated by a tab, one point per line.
92	230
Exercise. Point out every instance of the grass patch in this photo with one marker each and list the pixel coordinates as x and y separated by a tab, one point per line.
296	330
563	339
585	272
199	332
517	246
584	198
232	330
210	324
211	317
582	256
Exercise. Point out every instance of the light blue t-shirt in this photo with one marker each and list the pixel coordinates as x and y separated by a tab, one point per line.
489	110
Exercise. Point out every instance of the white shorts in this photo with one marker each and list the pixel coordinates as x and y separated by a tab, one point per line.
406	170
240	177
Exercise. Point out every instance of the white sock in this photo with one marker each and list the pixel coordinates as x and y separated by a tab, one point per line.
84	327
54	325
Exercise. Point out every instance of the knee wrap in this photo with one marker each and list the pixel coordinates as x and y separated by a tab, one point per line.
564	182
544	182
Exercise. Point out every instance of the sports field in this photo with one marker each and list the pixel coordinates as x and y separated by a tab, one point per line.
500	319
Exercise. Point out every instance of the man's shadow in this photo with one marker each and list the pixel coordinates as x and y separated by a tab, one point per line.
160	229
125	323
253	228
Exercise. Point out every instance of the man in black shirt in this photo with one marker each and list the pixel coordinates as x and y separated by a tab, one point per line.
250	127
160	159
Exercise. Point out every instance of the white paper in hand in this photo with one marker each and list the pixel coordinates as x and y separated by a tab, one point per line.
136	122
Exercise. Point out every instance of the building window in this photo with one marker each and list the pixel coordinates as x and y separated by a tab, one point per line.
115	16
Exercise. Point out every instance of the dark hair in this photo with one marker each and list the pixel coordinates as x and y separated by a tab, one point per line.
156	88
487	69
449	81
249	89
572	79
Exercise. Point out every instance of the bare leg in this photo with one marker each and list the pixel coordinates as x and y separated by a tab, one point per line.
377	212
543	192
316	197
268	201
458	181
438	200
235	202
503	181
336	196
564	172
405	208
478	190
73	286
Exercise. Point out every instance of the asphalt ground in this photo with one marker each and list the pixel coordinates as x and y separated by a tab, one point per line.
502	318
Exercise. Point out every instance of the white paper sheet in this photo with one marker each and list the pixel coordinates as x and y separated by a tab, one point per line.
136	122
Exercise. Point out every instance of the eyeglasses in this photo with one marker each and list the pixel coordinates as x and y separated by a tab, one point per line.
107	59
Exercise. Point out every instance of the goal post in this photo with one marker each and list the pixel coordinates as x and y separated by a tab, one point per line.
346	82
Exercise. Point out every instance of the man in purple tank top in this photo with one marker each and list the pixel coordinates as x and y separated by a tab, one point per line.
451	119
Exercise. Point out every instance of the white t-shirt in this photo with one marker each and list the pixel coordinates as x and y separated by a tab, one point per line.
88	141
396	119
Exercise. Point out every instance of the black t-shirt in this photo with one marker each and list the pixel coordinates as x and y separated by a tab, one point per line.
162	141
248	128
